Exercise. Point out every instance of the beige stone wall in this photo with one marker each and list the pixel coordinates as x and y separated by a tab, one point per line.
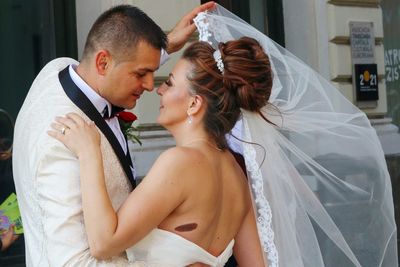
318	32
340	13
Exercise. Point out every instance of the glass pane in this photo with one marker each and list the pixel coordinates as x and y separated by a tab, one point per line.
391	22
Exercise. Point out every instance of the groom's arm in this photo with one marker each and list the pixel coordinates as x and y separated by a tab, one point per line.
60	207
58	197
182	31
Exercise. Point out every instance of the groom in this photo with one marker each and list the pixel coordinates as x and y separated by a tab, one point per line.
121	54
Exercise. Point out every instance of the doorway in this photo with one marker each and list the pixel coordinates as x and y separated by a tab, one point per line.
265	15
32	33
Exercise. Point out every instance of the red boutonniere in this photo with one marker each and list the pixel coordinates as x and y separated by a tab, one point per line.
126	120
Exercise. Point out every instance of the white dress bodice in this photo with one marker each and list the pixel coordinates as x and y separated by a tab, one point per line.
167	249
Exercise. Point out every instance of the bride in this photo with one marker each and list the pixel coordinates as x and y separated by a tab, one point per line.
318	180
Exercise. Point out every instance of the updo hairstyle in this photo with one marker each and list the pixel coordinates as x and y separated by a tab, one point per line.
245	83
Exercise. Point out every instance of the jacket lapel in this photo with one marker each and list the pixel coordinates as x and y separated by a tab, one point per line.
81	101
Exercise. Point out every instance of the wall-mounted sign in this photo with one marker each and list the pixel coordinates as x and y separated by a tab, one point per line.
362	42
366	76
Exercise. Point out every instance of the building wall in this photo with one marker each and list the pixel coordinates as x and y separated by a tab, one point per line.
341	13
321	38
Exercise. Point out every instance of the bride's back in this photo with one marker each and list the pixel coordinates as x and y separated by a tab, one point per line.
216	198
200	104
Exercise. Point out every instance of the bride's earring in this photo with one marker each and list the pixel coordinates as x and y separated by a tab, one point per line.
190	118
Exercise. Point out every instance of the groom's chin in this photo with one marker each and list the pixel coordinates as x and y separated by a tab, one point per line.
130	105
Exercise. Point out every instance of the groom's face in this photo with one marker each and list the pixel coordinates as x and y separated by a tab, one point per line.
126	79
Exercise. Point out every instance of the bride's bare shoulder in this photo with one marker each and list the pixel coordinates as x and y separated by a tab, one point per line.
179	158
184	152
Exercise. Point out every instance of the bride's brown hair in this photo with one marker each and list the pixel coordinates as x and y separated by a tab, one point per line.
245	83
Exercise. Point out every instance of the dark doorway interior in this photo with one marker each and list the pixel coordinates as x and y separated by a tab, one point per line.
32	33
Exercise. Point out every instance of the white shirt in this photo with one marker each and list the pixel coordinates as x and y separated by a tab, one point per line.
235	144
164	57
99	103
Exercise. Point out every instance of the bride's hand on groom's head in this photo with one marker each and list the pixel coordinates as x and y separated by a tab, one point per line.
76	134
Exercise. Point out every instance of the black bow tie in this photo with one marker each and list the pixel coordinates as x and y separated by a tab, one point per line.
114	111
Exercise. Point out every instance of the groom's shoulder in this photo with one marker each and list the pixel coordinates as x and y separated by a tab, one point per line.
59	63
48	75
52	68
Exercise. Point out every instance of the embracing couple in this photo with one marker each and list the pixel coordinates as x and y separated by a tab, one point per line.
233	90
77	204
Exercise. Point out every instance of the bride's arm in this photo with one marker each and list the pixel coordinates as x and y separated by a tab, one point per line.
109	233
247	249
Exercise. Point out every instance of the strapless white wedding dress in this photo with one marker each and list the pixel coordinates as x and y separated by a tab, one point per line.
161	248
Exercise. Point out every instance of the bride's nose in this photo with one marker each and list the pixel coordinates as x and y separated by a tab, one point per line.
160	90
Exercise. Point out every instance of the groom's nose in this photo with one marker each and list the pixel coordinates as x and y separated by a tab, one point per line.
148	81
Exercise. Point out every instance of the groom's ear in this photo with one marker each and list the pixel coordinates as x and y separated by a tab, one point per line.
196	104
102	61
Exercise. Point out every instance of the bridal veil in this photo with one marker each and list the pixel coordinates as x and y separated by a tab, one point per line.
320	185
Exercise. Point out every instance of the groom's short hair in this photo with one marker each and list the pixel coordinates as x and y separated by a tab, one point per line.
120	29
